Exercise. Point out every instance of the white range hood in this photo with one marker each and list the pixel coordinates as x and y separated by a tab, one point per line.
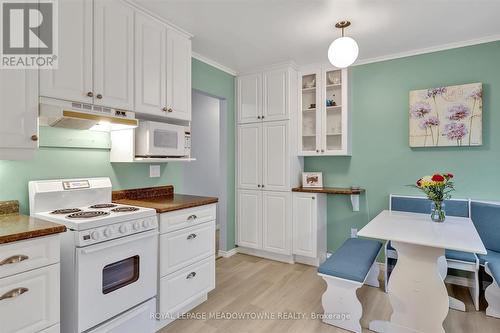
83	116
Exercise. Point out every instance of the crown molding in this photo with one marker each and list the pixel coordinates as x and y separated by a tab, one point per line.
214	63
432	49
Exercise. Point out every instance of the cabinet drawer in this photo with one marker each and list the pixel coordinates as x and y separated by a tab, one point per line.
187	217
34	304
185	247
182	287
24	255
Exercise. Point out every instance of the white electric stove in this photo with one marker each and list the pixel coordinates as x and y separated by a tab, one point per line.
108	255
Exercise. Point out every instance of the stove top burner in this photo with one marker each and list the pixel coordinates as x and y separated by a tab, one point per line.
66	211
87	215
101	206
124	209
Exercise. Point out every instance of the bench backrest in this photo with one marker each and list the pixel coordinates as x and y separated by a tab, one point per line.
403	203
486	218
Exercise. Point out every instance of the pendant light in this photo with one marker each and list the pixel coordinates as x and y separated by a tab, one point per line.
344	50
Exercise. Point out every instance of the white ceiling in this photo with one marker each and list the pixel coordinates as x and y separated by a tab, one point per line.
242	34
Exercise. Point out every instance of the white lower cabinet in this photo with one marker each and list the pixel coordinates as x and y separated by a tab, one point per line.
309	227
264	221
186	260
29	300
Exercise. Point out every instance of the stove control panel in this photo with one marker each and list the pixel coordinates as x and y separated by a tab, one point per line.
117	230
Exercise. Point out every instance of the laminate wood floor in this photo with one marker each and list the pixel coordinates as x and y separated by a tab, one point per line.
247	284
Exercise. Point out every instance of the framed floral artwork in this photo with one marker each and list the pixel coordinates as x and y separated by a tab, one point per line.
447	116
312	179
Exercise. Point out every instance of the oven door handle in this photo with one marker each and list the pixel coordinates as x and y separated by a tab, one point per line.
120	241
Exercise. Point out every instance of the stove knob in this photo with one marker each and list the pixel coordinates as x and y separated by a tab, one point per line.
123	229
136	226
107	232
146	223
94	235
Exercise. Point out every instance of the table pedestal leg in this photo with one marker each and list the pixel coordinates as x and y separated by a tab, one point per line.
416	291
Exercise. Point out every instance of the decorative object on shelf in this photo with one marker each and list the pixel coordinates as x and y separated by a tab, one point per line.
312	179
312	106
310	84
331	102
446	116
438	188
344	50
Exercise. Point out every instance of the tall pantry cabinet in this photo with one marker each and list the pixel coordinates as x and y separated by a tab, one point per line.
267	163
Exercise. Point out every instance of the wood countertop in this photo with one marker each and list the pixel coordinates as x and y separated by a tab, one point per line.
162	198
15	227
329	190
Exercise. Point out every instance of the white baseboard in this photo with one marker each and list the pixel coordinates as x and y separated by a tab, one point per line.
267	255
227	254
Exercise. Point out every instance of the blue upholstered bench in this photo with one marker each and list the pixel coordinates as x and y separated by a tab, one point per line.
351	266
486	218
457	260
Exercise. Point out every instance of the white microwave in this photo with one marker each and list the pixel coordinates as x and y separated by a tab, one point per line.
154	139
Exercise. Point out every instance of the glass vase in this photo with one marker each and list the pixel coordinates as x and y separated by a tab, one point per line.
438	212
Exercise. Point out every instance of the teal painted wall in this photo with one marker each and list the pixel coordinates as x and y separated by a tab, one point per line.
220	84
91	158
382	161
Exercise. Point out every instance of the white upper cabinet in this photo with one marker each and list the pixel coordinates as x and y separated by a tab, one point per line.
150	65
250	156
73	78
324	118
249	98
19	113
178	76
113	54
276	94
276	156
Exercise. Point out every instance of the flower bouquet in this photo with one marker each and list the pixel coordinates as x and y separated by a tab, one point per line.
437	188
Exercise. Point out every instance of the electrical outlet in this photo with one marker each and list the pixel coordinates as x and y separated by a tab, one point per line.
154	171
354	233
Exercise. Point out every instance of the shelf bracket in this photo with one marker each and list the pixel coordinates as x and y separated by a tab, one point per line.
355	202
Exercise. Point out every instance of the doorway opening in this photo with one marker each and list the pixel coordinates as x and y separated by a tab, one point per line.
207	176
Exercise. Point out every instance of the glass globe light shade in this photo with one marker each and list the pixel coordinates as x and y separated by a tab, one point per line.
343	52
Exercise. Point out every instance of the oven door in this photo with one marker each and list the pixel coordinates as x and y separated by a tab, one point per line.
115	276
166	140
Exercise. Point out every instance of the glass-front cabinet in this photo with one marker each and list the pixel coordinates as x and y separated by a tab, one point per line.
324	120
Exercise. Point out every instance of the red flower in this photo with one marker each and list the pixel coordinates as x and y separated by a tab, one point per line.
437	178
419	182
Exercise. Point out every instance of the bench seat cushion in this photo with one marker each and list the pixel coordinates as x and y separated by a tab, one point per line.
353	260
460	256
491	256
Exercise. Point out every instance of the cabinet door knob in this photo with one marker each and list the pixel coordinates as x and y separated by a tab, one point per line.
314	198
34	137
170	110
322	150
258	185
258	117
262	117
165	109
317	150
99	96
90	94
262	185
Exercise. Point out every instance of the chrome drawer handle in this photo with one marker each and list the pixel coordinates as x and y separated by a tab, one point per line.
14	293
192	236
192	217
191	275
14	259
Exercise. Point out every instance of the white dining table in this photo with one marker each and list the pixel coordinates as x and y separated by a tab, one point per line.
416	289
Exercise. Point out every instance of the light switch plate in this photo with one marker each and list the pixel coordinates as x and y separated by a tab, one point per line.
154	171
354	233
